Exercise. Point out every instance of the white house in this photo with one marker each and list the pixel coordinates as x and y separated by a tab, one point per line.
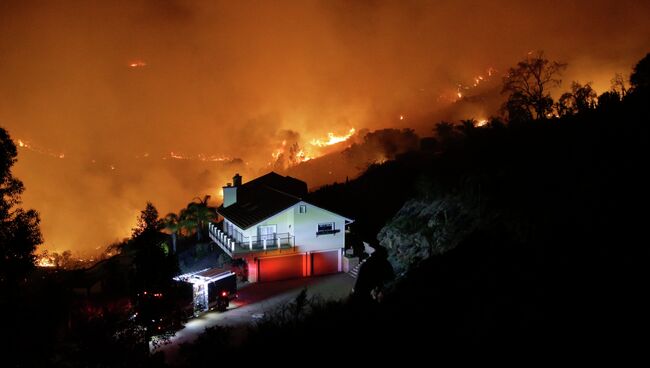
280	236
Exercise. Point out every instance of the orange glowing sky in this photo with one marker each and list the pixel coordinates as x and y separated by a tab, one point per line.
116	86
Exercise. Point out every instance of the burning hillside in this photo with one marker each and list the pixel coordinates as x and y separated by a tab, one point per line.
353	158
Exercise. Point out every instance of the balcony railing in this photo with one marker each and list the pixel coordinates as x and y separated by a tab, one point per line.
245	244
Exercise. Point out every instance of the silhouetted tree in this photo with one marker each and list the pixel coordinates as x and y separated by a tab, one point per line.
19	228
618	85
61	260
467	127
148	221
516	108
444	130
640	77
580	99
446	133
154	267
528	85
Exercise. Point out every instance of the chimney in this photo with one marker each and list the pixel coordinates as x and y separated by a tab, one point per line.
230	191
236	180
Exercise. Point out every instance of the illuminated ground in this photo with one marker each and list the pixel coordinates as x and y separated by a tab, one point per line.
256	299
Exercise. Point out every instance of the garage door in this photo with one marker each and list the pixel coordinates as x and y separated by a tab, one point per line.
280	268
325	262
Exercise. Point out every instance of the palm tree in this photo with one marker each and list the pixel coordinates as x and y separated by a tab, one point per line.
187	221
467	127
173	223
197	215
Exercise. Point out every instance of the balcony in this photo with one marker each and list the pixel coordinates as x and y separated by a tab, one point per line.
253	244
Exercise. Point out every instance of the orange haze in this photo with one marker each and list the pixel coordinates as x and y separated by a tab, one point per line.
127	101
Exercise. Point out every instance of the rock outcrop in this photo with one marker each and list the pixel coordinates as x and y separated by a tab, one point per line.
422	228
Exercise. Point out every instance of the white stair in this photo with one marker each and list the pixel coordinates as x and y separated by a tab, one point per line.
355	271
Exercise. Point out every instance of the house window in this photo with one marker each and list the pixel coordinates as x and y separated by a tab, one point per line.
267	232
303	208
326	228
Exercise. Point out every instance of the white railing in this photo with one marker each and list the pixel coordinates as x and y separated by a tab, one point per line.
249	243
221	239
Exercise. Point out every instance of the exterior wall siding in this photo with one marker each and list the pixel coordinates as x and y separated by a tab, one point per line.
306	226
282	220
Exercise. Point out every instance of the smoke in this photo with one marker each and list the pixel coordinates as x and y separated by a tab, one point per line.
125	84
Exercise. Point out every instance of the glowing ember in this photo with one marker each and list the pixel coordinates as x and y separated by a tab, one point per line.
332	139
401	117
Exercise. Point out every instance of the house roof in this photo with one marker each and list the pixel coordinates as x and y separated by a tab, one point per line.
262	198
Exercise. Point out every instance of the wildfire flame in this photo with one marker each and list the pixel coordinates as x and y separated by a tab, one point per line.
45	262
332	139
39	150
476	81
137	64
381	159
200	157
289	156
174	155
302	156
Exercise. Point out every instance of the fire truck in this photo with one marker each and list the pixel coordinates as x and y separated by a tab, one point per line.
212	288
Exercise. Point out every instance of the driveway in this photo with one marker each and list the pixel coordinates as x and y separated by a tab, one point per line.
254	300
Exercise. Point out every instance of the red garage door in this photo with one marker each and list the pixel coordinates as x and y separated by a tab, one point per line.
325	262
280	268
